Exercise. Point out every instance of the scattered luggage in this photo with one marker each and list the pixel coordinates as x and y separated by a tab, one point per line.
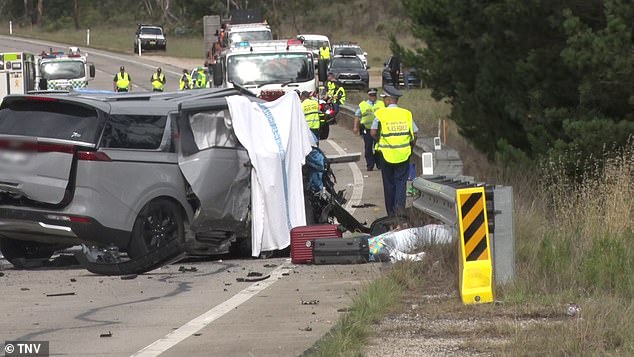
302	240
353	250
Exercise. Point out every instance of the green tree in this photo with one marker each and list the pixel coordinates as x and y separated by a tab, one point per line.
533	76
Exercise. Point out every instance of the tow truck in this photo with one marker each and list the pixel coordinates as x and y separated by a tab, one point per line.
268	69
60	71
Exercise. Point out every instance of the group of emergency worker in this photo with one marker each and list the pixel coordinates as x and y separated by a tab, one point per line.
122	80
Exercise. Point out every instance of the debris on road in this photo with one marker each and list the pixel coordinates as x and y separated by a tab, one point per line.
364	205
25	289
73	280
60	294
252	280
190	269
310	302
307	328
198	334
108	334
129	277
227	283
270	265
286	274
254	273
1	274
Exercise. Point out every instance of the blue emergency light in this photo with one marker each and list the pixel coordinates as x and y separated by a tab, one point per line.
242	44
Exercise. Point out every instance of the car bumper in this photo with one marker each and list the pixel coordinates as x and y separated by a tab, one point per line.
150	44
353	83
55	227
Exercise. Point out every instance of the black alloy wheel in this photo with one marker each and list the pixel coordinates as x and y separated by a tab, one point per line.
159	223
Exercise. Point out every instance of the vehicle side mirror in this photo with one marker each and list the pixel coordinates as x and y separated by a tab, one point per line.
218	75
92	71
367	67
365	54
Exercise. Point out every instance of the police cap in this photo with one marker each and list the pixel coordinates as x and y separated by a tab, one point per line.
390	91
372	91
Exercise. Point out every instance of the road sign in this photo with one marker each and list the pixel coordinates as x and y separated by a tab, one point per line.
476	268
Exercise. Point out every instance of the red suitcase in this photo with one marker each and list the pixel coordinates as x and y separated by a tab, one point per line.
302	237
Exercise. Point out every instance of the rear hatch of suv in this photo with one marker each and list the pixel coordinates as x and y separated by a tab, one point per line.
40	137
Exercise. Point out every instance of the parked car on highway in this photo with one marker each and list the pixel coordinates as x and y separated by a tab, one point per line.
349	71
345	47
150	37
412	78
99	170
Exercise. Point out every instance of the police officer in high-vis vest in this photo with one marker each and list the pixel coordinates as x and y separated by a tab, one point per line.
201	78
311	112
363	118
121	81
185	82
395	132
158	80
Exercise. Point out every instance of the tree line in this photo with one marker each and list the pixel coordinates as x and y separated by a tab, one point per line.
530	78
184	15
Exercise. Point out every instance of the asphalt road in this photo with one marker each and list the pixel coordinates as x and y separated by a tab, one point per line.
203	311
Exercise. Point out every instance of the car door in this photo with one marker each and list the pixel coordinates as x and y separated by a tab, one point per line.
216	167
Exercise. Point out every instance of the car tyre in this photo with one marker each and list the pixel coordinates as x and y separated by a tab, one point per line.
20	253
158	223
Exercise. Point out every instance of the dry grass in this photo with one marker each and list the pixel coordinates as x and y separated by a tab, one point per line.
118	39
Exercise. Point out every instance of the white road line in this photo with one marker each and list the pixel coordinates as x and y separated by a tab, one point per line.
200	322
120	57
357	185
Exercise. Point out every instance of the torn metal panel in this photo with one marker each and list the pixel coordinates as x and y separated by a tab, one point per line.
217	168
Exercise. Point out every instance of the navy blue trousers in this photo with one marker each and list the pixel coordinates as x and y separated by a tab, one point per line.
394	185
368	144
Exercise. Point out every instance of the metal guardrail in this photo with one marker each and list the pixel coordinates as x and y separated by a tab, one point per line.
446	161
438	198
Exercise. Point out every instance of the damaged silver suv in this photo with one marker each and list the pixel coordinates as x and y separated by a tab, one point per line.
138	176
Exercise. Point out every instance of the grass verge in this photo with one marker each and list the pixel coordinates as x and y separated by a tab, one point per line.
348	337
117	39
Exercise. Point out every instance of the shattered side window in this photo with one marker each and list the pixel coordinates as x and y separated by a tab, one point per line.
212	129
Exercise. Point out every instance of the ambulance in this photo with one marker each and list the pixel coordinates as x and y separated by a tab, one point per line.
64	71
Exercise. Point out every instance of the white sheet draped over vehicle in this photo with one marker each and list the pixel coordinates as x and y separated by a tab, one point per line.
278	139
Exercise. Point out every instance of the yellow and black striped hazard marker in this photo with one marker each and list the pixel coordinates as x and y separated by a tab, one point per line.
476	268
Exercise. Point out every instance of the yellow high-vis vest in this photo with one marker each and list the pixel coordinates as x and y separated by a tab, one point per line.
368	110
311	112
396	133
123	81
158	81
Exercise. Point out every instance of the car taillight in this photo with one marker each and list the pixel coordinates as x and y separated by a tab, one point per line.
67	149
92	156
41	99
33	146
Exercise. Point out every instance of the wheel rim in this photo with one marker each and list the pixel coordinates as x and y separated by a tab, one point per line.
159	227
